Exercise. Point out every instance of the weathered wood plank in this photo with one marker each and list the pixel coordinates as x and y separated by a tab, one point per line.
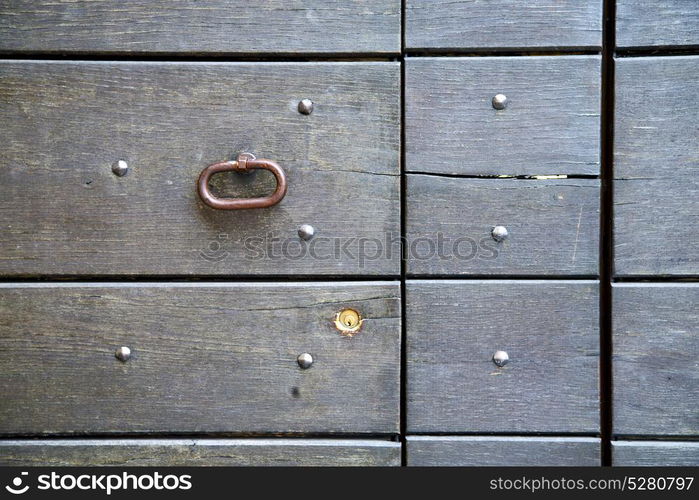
655	226
503	24
553	226
549	330
656	166
476	451
199	452
549	127
655	453
214	26
656	356
656	22
207	357
64	212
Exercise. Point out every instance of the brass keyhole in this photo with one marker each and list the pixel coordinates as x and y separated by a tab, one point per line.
348	322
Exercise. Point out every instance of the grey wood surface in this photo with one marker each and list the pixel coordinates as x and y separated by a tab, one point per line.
550	125
655	453
656	166
550	330
478	451
656	358
656	22
503	23
207	357
199	452
64	212
190	26
553	226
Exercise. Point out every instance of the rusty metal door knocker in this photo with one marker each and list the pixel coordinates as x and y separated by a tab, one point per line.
244	162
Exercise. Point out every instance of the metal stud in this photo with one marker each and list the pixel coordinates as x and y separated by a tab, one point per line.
501	358
306	232
500	101
499	233
120	168
305	107
123	353
305	360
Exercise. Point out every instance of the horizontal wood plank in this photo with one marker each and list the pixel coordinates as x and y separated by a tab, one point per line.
642	23
472	24
655	359
550	125
202	26
64	212
655	453
199	452
479	451
550	330
656	167
552	225
206	357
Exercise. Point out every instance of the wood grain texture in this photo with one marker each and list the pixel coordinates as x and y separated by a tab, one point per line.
550	125
503	23
199	452
549	330
553	226
190	26
656	166
656	22
655	359
478	451
207	357
64	212
655	453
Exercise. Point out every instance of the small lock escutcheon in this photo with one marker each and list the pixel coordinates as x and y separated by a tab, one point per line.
348	321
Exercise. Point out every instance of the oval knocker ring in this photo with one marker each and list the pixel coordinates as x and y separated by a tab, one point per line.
244	162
